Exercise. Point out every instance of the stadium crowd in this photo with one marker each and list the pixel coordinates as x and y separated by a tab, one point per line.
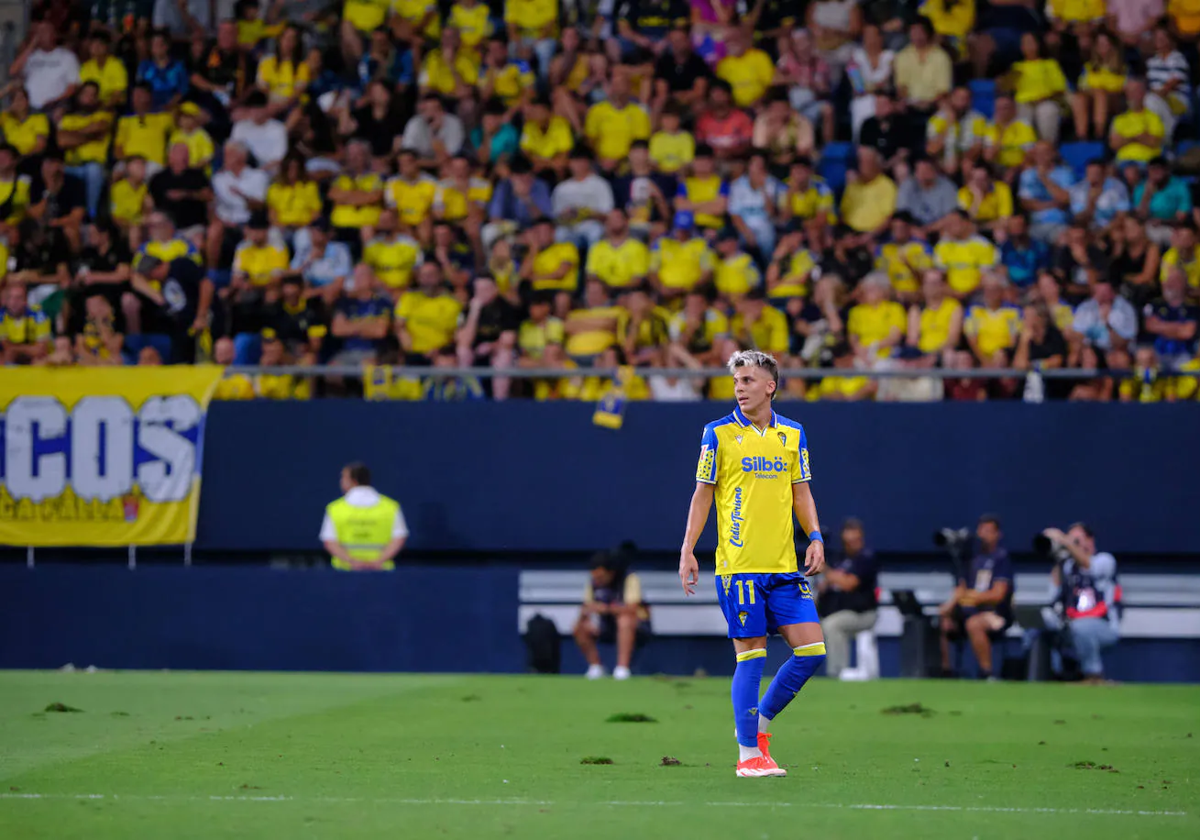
524	183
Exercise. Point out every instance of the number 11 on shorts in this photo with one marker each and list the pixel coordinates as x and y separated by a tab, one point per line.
746	594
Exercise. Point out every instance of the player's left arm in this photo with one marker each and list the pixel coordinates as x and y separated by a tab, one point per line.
1002	581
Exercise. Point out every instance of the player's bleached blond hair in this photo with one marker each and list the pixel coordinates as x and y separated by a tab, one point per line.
758	359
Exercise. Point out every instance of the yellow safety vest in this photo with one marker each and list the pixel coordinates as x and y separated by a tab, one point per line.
363	531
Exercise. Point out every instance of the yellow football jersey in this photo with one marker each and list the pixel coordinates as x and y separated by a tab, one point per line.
754	470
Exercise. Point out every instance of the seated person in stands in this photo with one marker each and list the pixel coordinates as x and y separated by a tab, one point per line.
981	606
612	611
847	600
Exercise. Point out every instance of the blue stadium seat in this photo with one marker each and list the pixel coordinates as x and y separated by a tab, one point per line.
834	173
1077	155
247	348
983	96
161	343
1183	146
839	152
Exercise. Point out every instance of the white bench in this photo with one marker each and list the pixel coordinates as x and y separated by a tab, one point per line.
1156	606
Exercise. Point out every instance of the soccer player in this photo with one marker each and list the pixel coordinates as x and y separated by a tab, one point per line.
756	465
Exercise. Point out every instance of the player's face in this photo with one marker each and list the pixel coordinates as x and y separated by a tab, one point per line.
852	540
1081	539
752	387
601	577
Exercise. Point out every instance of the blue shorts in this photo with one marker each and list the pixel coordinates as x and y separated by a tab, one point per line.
759	604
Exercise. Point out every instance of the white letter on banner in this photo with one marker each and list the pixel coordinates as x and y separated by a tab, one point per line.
168	479
113	478
51	420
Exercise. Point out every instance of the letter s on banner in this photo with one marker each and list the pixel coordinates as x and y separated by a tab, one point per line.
101	457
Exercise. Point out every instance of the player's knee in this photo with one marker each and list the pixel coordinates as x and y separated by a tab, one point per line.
583	630
627	621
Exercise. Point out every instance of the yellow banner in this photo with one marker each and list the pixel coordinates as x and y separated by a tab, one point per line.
102	456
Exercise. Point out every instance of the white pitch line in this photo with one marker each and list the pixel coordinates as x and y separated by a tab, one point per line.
338	800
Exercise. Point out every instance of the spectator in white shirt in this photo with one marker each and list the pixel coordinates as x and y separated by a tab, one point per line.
1106	321
581	202
432	133
239	190
51	72
263	137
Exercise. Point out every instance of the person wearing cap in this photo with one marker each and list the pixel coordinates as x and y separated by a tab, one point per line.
143	132
680	262
84	135
105	70
735	272
182	296
198	141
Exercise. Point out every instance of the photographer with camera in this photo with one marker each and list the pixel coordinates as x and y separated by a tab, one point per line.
1088	595
981	605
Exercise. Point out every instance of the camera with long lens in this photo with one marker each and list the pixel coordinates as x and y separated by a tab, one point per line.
1046	547
956	542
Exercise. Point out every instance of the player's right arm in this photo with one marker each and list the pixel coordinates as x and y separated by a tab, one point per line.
689	569
702	499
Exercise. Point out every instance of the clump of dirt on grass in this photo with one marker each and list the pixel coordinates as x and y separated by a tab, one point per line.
910	709
595	759
61	707
670	761
1090	765
630	717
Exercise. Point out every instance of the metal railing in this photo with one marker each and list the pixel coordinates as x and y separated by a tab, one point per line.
401	371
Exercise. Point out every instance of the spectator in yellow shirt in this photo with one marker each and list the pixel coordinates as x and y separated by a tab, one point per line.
534	24
1008	140
613	125
546	138
748	70
450	70
878	324
1137	134
106	71
426	317
142	132
198	141
671	148
963	255
988	202
934	325
284	75
128	201
84	135
993	326
24	130
759	326
870	199
1100	87
1039	87
551	266
618	260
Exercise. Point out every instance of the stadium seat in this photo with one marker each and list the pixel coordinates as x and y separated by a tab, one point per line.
247	348
841	152
983	96
1077	155
834	173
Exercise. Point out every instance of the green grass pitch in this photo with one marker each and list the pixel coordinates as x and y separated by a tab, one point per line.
181	755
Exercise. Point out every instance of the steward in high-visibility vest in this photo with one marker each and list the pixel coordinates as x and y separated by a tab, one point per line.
363	530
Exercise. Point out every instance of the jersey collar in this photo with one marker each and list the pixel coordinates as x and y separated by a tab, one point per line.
743	420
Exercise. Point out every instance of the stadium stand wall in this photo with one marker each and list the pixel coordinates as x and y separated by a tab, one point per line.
542	477
256	618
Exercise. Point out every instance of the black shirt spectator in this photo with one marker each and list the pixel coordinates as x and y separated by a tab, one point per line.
847	603
298	322
183	293
653	18
679	67
181	192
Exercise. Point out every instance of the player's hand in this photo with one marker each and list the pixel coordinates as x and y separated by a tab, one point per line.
814	558
968	600
689	572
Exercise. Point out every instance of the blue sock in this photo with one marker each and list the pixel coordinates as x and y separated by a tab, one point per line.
791	678
747	678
